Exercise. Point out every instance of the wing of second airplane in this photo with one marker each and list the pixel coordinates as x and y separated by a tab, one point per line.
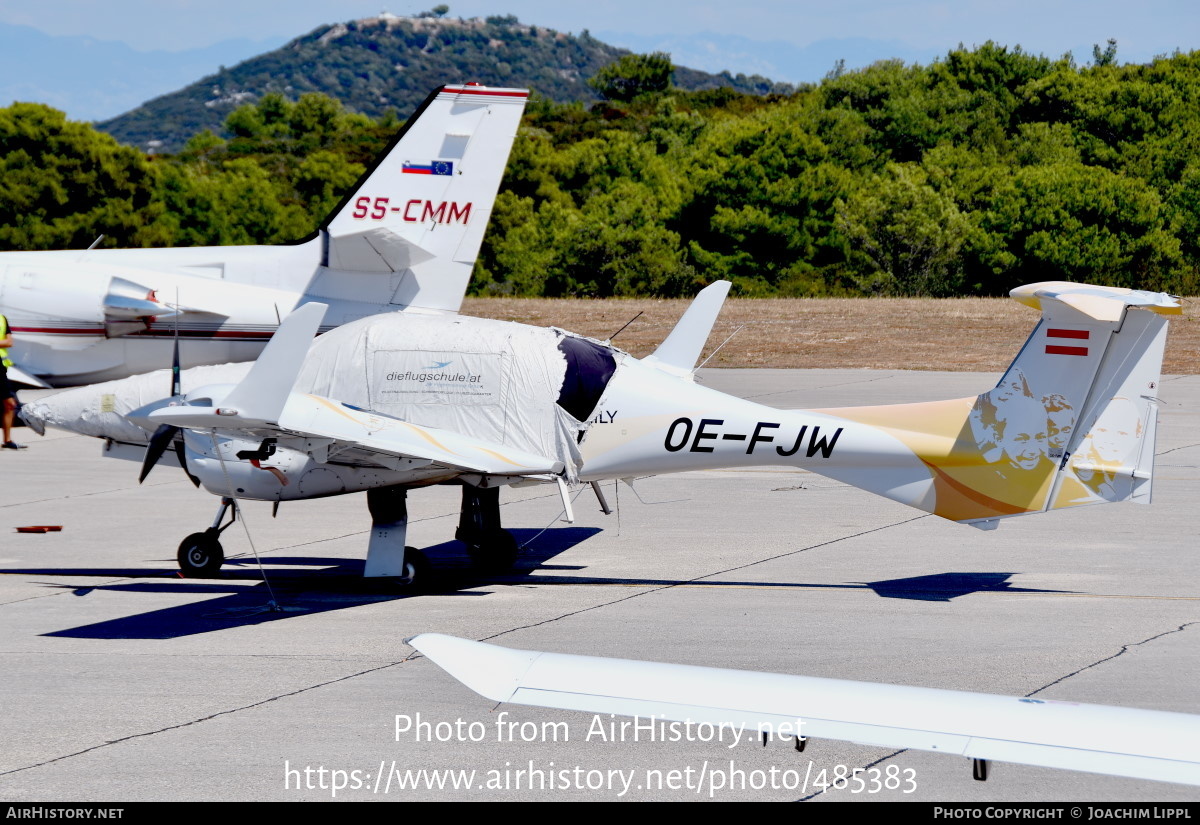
1144	744
21	378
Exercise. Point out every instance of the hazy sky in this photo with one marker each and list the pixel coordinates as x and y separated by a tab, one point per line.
1049	26
121	63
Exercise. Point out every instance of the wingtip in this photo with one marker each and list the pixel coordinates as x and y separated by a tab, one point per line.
491	671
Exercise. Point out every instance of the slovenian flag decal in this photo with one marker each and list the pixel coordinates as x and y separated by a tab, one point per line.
435	167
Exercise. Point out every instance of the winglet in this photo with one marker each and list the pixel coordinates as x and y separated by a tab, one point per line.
263	392
681	349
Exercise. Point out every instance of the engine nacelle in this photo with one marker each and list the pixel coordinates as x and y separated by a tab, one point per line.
75	294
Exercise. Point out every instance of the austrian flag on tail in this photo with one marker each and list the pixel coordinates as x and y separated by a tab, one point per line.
1069	334
435	167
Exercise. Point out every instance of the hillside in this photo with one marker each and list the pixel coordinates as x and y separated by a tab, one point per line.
383	63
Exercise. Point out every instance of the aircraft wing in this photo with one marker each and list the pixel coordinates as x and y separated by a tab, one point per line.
381	436
20	377
1143	744
352	436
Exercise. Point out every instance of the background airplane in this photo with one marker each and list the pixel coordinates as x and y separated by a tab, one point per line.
1144	744
391	403
406	237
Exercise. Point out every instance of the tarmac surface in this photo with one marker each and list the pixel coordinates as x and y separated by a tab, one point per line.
121	681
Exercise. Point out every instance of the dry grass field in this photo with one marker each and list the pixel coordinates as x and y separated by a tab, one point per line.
968	334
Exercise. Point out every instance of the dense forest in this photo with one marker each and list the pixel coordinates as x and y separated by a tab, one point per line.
986	169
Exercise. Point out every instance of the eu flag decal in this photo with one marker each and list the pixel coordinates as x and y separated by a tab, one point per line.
435	167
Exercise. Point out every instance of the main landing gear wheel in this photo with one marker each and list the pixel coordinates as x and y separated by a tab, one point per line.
418	571
418	577
492	548
200	555
491	551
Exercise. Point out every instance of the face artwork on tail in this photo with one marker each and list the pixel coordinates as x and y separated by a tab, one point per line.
1023	434
1100	470
1060	423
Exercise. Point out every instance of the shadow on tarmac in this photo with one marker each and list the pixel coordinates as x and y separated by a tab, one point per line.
939	587
320	585
301	585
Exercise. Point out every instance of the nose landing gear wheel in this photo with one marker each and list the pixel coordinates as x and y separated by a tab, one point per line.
200	556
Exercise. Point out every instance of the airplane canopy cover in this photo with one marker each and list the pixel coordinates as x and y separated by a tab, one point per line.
492	380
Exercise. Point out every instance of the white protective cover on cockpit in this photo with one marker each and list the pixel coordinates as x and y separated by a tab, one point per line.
492	380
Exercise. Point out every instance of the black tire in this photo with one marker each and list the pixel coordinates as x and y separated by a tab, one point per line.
418	578
418	568
493	552
200	556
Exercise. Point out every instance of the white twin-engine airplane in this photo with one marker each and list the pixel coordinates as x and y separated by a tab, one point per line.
1144	744
394	402
406	237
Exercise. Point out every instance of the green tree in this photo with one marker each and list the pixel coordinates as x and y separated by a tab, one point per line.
1107	56
634	76
65	183
1068	221
908	236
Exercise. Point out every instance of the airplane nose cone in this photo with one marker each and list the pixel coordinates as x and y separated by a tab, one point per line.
33	416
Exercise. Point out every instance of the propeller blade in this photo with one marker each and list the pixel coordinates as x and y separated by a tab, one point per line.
159	442
175	384
183	461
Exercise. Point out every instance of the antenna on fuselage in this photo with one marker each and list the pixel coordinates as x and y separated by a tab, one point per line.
95	244
627	323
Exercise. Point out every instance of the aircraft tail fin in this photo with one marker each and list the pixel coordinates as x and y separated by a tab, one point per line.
415	221
681	349
1108	454
1072	421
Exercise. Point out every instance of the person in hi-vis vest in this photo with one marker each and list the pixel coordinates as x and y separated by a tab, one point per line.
7	393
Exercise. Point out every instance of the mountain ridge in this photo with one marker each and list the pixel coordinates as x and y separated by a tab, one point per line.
383	63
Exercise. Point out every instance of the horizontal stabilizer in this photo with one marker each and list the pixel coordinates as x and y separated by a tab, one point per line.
1144	744
375	250
1102	303
682	348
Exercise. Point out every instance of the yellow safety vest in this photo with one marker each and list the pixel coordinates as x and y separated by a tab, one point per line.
4	359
